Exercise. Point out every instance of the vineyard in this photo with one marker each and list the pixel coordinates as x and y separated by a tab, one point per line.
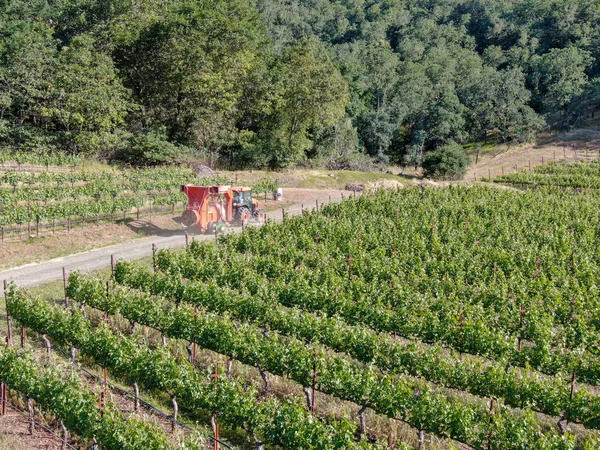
470	315
51	200
582	174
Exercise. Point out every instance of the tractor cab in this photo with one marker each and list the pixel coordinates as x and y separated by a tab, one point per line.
244	206
242	197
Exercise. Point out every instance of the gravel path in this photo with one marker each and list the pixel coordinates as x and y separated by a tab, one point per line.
45	272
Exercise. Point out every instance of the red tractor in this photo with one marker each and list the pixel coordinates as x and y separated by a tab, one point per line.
213	208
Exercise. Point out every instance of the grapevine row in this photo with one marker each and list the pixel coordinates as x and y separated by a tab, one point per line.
85	208
131	177
77	406
391	395
273	421
459	296
45	159
488	379
575	180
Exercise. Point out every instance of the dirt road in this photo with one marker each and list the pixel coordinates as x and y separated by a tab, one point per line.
41	273
573	146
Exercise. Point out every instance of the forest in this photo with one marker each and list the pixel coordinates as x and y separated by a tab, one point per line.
273	83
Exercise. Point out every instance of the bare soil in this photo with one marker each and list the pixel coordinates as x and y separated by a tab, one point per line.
574	146
15	434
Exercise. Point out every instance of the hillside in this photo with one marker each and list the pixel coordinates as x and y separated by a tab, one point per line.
244	83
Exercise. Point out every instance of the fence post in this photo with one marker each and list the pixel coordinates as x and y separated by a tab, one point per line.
8	318
154	257
112	266
3	395
313	384
64	435
489	443
65	287
31	412
136	401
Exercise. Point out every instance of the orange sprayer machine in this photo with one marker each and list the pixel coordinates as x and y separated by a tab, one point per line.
213	208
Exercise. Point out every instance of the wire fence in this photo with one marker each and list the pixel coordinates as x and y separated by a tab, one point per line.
32	229
38	167
568	153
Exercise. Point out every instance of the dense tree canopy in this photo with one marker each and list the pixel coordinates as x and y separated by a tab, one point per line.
266	83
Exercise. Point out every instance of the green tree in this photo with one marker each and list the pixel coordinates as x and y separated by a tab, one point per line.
497	107
559	76
308	93
449	162
88	102
27	67
187	65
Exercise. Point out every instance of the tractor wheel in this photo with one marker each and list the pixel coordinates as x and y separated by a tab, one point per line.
260	216
241	215
190	218
211	228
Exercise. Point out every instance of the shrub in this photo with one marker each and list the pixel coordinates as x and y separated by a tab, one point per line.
151	149
449	162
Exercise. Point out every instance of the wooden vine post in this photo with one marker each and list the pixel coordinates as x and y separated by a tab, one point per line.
23	335
489	443
112	266
154	257
64	435
8	318
175	412
103	392
362	420
521	321
461	324
136	397
213	419
314	382
65	287
194	345
421	439
573	379
2	399
31	415
106	318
